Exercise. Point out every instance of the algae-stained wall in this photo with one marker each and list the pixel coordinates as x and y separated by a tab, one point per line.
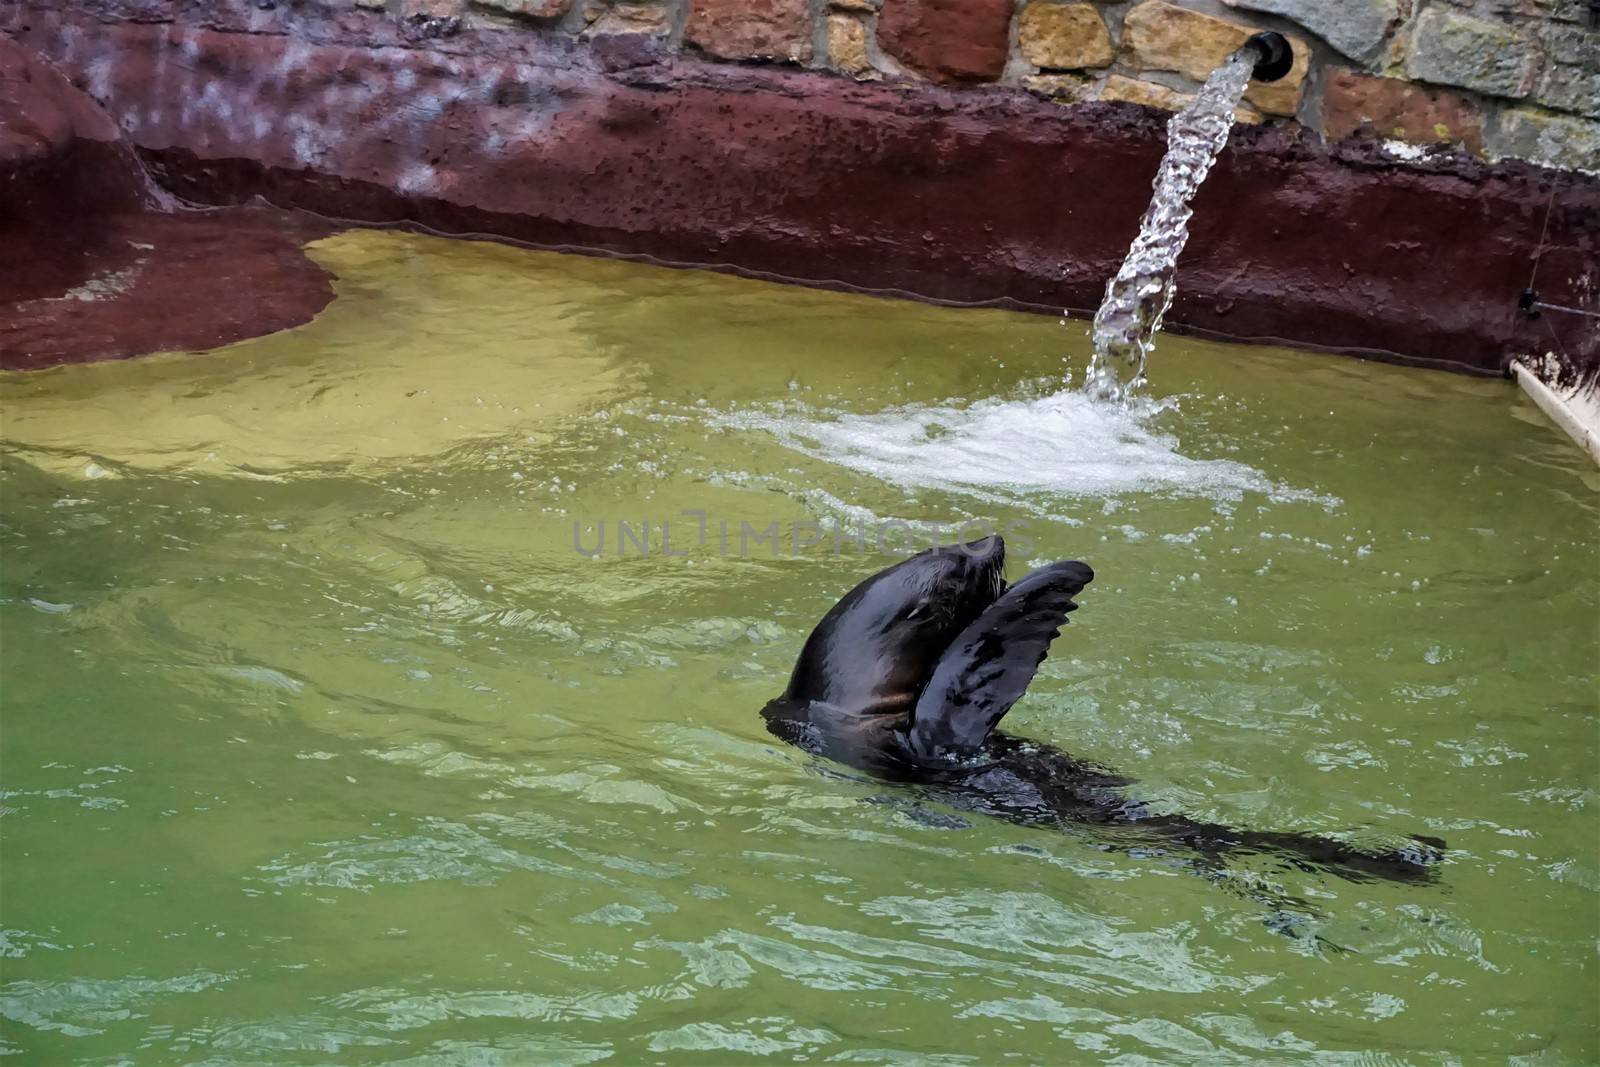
1502	78
715	133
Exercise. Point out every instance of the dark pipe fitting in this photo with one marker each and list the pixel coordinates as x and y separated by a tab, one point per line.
1276	57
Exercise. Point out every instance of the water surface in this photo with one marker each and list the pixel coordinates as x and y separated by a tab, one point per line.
323	744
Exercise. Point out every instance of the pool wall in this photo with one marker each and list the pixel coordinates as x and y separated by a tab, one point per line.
94	265
632	134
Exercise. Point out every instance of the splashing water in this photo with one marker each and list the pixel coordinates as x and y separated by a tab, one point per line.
1138	297
1029	453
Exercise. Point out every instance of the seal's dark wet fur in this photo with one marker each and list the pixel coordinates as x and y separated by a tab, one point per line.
907	675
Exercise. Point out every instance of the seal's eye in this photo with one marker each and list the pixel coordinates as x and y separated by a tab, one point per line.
919	610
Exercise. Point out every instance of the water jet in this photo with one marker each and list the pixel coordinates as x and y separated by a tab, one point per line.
1138	296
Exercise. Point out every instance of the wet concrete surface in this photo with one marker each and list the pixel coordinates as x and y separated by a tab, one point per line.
157	282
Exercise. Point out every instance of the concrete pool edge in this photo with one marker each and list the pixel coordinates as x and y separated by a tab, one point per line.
992	196
1575	410
989	197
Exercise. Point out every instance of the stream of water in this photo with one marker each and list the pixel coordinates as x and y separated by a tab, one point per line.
1138	296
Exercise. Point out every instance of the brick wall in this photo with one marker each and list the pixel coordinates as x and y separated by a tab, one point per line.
1517	78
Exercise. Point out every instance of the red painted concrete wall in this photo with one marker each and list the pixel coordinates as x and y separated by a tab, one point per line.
994	196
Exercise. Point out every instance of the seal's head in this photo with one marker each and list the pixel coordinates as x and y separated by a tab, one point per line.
877	648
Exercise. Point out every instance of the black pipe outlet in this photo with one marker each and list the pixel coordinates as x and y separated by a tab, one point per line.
1276	57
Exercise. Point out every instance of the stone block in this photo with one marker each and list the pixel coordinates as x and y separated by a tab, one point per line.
949	41
1546	137
627	19
1063	36
1579	11
1566	43
544	10
1162	36
1133	91
1453	48
435	9
847	46
751	29
1398	109
1569	88
1356	28
1062	88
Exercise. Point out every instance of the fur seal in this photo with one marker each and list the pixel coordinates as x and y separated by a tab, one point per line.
908	674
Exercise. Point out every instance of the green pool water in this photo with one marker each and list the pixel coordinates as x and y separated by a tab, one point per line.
323	742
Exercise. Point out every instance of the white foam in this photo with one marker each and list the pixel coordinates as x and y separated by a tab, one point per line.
1019	451
1411	153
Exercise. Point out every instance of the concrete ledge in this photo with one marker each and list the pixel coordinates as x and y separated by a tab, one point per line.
91	268
1576	411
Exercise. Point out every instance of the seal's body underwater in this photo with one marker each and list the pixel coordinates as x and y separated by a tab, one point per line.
908	674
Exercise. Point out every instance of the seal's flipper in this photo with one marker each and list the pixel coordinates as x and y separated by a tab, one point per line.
989	665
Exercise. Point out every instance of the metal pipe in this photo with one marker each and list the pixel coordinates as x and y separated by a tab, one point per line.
1530	303
1276	58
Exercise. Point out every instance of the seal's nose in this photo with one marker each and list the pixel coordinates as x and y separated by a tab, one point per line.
986	549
